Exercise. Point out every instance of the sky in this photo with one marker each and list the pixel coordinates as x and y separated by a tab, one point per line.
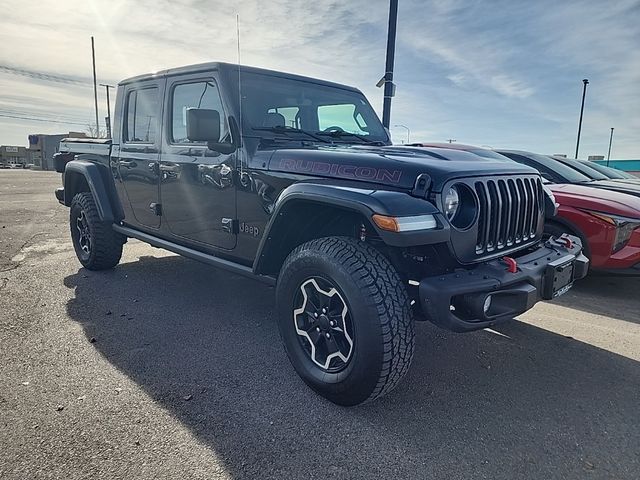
493	73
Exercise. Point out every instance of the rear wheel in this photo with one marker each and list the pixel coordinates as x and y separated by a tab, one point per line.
345	319
97	246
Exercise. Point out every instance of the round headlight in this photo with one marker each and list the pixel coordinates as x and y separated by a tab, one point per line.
451	202
460	205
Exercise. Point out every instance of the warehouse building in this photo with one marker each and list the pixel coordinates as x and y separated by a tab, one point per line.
43	147
13	156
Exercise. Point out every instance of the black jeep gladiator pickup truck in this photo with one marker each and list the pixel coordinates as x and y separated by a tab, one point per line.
293	181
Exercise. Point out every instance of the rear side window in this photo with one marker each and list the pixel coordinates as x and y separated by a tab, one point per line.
203	94
142	116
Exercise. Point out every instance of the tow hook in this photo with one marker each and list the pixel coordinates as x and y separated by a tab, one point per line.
566	241
512	265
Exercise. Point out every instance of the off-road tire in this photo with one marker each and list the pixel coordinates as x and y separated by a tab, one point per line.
105	244
383	330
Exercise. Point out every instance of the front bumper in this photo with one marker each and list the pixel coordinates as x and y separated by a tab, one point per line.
457	301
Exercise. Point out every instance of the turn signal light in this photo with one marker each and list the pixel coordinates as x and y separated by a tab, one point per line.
389	224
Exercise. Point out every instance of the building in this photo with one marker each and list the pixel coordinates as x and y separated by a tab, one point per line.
43	147
12	156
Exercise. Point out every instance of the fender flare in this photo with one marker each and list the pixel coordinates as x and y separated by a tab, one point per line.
363	201
95	178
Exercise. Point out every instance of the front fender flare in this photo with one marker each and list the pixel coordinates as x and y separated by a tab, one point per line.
364	201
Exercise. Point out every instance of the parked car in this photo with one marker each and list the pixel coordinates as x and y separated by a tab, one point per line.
608	222
557	171
296	185
612	173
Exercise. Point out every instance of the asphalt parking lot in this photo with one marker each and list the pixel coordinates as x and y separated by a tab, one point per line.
166	368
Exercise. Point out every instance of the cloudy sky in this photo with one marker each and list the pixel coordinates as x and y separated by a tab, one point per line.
496	73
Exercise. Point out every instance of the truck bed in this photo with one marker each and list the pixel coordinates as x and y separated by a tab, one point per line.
96	146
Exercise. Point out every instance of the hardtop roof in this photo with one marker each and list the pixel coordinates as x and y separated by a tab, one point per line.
229	68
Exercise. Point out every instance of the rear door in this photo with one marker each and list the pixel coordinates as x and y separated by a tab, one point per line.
139	153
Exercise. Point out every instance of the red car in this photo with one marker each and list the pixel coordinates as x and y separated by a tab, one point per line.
608	222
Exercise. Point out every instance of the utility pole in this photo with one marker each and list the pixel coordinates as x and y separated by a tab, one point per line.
95	86
609	152
584	93
408	131
387	80
451	140
108	119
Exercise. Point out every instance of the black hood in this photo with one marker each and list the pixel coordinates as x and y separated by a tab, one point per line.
390	165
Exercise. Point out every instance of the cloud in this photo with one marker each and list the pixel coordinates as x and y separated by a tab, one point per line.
501	73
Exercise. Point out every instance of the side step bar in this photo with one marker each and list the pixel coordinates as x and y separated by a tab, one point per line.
194	254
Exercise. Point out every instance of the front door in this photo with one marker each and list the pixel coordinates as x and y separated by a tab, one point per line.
196	184
139	153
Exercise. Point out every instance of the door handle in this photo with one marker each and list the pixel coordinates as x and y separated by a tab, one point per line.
127	164
170	168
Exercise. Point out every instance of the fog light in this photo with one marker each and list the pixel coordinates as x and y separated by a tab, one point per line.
487	304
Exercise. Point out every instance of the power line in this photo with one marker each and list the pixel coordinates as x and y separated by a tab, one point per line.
43	76
32	119
41	115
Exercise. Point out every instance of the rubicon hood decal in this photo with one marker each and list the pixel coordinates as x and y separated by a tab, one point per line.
346	171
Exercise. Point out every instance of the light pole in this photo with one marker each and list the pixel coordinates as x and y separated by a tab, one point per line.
387	80
408	131
95	87
584	93
107	87
609	152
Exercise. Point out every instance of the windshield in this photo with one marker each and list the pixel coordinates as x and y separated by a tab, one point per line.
285	105
542	162
609	172
584	169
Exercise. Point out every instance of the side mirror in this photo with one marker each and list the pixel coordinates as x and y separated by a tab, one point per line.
203	125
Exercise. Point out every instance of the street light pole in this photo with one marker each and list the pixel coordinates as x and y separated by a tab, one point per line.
95	86
387	80
107	87
609	152
408	131
584	93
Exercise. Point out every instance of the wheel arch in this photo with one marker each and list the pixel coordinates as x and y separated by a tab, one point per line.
82	175
563	223
307	211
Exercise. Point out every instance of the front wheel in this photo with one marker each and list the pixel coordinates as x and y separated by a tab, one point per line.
345	319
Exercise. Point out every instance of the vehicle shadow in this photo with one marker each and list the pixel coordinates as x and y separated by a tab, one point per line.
526	403
606	295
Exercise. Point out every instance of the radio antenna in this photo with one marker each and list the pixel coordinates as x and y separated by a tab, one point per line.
241	142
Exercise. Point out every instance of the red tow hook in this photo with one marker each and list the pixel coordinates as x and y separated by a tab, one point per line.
512	265
566	241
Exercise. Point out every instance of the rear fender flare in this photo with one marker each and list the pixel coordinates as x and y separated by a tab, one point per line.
96	178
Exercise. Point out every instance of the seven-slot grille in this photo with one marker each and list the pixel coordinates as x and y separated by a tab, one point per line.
509	211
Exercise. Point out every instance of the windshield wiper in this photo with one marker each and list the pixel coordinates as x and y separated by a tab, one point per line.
343	133
287	130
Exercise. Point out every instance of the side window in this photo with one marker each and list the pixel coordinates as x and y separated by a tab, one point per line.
142	116
341	116
195	95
